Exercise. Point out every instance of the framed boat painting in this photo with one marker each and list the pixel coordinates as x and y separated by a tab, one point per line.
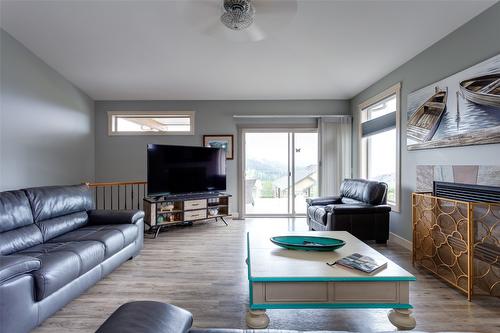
220	141
461	110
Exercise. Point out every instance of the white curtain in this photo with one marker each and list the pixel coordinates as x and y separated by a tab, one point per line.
335	135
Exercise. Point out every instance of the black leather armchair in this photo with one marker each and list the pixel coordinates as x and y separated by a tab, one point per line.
361	209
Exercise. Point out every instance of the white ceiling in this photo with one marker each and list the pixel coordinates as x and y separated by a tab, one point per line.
159	50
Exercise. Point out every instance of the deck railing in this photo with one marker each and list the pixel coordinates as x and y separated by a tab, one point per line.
119	195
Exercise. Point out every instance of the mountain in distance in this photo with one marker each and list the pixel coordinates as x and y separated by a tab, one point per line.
262	165
265	169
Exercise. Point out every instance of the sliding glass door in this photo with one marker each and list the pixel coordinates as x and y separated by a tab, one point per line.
305	166
281	171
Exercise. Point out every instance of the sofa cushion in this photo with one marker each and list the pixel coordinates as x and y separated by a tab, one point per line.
53	201
15	210
59	209
19	239
317	213
17	229
114	237
60	225
61	263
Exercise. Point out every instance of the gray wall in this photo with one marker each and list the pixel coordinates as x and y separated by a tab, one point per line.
124	157
46	123
472	43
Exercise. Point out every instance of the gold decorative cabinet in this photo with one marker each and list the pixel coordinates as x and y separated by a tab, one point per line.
459	241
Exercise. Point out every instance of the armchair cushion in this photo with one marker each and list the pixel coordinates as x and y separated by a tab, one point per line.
353	209
323	201
367	191
349	201
99	216
15	265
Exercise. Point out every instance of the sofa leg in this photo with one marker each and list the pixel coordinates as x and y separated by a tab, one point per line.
381	241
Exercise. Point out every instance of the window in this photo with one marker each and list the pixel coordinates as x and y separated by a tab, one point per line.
151	123
380	141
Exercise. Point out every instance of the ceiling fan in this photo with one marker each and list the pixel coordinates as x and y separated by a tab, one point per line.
241	20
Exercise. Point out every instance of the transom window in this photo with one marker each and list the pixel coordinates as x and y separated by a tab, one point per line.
151	123
381	108
380	141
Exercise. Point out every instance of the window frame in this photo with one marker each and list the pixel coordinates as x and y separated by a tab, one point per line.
363	144
113	114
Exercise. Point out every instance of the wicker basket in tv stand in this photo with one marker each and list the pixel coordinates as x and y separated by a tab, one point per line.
168	210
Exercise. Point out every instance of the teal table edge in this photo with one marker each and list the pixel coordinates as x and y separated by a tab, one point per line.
316	279
330	306
320	305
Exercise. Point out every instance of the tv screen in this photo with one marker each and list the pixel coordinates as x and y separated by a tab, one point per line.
182	169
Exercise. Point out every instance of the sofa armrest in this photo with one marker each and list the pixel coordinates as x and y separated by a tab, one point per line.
107	216
323	201
15	265
351	209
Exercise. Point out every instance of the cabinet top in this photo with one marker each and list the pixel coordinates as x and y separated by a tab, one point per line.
190	196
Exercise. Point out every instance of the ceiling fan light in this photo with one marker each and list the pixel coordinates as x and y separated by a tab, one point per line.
238	14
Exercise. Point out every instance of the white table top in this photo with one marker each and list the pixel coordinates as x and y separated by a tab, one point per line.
269	262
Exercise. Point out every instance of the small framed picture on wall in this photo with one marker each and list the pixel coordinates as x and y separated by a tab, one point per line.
220	141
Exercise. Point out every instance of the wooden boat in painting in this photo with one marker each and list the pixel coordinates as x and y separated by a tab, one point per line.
424	122
483	90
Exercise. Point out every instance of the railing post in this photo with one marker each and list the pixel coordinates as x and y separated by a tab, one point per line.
101	200
132	197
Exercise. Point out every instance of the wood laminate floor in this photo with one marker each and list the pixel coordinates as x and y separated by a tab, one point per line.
201	268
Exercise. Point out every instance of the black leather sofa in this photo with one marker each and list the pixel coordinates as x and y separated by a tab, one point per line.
54	246
361	209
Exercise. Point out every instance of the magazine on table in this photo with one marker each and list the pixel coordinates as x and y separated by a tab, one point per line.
361	263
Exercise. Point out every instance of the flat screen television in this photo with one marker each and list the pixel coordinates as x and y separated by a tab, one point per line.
183	169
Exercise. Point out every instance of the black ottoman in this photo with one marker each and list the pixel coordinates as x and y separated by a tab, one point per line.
147	317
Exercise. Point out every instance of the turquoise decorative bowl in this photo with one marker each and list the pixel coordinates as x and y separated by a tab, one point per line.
308	243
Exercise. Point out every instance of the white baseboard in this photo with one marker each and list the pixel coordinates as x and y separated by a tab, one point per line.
393	238
235	216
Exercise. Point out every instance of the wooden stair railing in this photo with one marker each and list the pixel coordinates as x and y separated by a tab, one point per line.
119	195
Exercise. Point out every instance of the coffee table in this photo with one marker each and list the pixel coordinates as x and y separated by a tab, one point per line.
288	279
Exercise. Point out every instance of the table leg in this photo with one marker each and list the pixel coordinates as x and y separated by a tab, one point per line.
157	231
257	319
222	218
402	319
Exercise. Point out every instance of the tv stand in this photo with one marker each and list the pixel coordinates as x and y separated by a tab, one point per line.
184	209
